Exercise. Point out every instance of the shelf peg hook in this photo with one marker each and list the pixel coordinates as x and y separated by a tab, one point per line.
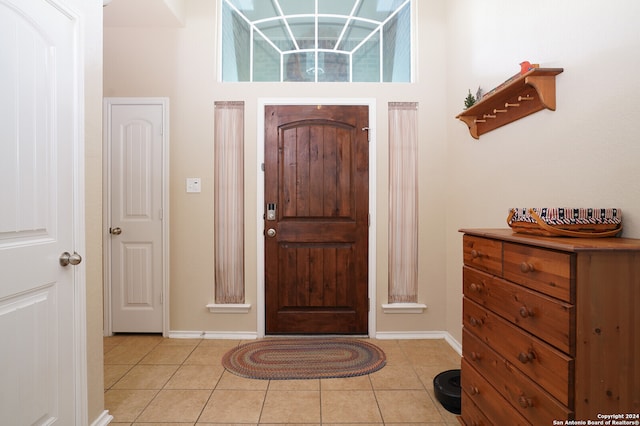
525	98
507	105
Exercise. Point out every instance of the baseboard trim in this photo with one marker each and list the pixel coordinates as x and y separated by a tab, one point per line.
231	335
229	308
406	335
103	419
403	308
382	335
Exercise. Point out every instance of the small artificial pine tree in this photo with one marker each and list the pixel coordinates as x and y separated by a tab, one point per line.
469	100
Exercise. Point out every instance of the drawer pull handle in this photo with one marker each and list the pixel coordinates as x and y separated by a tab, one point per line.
525	402
475	322
476	356
475	254
525	357
476	287
526	312
473	390
526	267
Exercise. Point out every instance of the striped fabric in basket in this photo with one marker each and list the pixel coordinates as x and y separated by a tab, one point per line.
565	221
570	216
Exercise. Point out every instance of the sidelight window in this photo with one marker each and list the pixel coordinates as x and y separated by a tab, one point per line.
316	40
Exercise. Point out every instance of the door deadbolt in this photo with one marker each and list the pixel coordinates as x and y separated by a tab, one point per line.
271	232
271	211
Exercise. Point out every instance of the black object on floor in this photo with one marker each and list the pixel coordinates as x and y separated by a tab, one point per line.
446	386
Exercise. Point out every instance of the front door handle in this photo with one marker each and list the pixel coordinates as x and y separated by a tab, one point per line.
271	232
70	259
115	231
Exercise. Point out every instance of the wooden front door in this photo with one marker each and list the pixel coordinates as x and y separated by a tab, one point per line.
316	219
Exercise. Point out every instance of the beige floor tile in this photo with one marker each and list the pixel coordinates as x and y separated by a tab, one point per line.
401	393
195	377
361	424
294	385
233	406
167	354
429	352
291	407
396	377
348	383
352	406
427	374
163	424
126	354
396	356
232	382
407	406
114	372
226	344
207	355
228	424
171	406
126	405
291	424
108	343
146	341
146	377
180	342
392	350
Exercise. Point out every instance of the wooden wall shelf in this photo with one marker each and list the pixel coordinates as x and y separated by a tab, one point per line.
531	92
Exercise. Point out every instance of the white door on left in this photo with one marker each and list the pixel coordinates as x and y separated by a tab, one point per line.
40	215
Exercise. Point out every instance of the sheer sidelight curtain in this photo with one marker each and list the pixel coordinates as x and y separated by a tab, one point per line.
229	202
403	202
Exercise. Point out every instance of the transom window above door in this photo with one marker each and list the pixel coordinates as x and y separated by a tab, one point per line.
316	40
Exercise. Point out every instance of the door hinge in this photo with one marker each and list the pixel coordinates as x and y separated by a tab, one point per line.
262	166
161	298
369	220
368	305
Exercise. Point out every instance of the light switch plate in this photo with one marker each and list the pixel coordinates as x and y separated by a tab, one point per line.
193	185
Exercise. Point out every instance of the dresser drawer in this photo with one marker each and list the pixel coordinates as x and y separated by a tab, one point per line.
528	398
471	415
547	366
547	271
543	316
496	409
483	253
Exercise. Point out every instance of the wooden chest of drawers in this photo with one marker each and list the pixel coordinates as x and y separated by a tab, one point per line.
551	328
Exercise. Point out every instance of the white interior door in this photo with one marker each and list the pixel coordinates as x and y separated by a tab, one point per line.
135	225
41	309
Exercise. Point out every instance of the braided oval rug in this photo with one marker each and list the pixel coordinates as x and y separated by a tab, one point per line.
304	358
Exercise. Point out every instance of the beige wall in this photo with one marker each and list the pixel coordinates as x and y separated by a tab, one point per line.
91	43
181	63
582	154
586	153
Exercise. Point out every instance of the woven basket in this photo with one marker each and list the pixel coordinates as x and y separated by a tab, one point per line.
566	222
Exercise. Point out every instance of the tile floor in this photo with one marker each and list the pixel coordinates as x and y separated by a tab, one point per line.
150	380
